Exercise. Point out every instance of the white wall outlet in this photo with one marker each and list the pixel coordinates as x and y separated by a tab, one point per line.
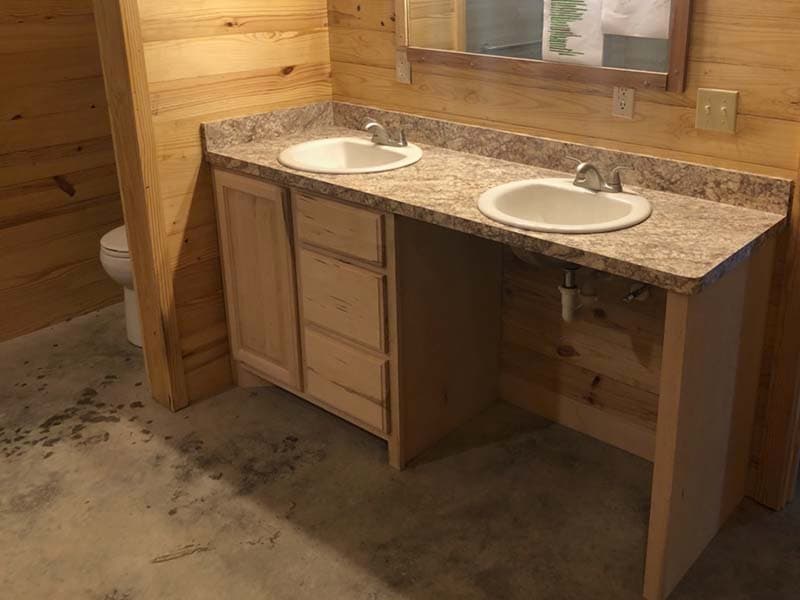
716	110
624	102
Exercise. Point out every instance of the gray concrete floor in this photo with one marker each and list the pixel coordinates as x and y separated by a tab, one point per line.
259	495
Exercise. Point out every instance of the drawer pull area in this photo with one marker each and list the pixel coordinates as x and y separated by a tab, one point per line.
344	299
350	380
347	230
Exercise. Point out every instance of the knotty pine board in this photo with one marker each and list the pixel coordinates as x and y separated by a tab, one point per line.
208	61
58	186
599	374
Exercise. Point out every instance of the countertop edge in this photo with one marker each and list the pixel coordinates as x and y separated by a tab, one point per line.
670	281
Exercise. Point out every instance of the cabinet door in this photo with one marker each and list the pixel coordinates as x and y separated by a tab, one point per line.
258	264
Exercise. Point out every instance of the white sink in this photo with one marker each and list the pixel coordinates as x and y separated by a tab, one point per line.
558	206
348	155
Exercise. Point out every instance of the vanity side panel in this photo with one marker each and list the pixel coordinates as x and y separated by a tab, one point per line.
712	353
599	374
448	311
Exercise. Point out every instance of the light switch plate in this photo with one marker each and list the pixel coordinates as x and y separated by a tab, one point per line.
716	110
624	102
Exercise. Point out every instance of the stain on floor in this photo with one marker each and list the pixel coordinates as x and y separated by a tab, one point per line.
105	495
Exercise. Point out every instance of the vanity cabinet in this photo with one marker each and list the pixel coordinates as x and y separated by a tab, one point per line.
343	280
387	322
255	233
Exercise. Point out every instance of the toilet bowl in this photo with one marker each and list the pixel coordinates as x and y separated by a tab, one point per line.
116	261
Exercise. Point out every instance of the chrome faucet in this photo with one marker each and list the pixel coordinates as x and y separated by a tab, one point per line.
587	176
381	137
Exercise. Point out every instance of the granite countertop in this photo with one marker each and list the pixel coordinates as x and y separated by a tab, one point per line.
686	244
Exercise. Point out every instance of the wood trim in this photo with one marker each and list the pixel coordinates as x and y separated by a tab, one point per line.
397	457
526	67
122	54
460	25
401	23
680	22
673	81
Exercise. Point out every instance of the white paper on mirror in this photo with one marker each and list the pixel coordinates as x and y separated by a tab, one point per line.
573	31
637	18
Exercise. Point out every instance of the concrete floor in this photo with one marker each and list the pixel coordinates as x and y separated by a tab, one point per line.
104	495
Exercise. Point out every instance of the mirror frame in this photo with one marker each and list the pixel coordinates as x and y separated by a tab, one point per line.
674	80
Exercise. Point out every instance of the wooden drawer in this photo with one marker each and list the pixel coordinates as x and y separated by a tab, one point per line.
350	231
350	380
344	299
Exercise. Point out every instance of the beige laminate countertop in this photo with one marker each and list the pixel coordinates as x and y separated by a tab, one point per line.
685	245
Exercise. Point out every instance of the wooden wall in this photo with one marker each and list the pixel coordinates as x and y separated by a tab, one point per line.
207	61
58	185
733	46
599	374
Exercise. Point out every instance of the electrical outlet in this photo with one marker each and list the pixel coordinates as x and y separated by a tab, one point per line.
624	102
716	110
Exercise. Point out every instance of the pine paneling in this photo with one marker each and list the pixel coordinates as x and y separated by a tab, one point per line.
735	44
207	61
599	374
58	186
732	46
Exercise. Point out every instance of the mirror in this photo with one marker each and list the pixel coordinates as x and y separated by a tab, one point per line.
645	37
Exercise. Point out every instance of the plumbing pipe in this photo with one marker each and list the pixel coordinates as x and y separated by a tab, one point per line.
570	302
640	292
570	294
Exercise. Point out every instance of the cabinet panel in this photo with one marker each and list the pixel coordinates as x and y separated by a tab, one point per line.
344	299
350	380
258	265
345	365
350	231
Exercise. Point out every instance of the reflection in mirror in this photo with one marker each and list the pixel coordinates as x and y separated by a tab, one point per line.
625	34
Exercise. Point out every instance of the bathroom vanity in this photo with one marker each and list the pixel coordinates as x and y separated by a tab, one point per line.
379	297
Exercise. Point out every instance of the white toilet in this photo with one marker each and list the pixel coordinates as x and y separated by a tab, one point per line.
116	260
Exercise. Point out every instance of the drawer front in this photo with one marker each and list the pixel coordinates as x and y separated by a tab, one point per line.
350	231
346	378
344	299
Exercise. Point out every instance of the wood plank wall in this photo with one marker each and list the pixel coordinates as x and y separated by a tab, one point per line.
58	185
732	46
206	61
599	374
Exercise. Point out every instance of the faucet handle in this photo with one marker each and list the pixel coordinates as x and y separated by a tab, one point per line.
615	181
577	161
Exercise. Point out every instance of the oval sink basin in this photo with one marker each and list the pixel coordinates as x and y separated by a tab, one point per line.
340	156
558	206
